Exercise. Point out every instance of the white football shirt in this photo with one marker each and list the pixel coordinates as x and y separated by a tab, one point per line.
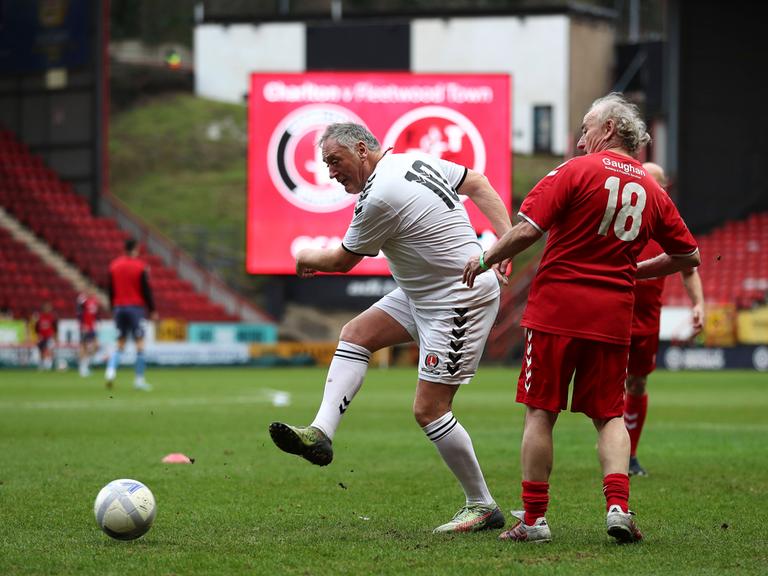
410	210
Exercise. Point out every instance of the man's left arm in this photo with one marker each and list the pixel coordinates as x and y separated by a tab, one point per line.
477	188
664	264
310	261
692	285
146	292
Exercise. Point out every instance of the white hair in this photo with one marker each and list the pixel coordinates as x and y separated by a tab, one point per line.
630	127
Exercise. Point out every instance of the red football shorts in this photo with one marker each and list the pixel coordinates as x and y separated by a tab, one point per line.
598	369
642	354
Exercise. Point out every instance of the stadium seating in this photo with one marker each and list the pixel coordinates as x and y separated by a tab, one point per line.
37	197
28	282
734	265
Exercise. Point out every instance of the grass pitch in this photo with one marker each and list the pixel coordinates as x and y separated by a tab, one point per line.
244	507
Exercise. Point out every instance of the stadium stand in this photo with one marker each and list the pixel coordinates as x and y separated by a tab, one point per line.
39	199
734	265
28	281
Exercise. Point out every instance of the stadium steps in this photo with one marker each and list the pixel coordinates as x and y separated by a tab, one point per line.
28	282
25	236
53	211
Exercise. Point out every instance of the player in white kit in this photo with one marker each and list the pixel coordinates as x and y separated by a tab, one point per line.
409	209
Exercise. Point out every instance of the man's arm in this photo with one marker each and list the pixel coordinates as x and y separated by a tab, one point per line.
312	260
146	292
692	284
664	264
517	239
111	292
477	188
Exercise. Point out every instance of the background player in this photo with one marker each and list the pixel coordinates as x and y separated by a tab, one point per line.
46	329
87	315
130	296
410	210
645	335
599	210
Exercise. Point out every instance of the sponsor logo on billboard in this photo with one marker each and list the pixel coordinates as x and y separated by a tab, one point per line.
298	171
441	132
694	358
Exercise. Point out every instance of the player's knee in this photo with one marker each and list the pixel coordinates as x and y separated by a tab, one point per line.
356	332
636	385
423	416
426	413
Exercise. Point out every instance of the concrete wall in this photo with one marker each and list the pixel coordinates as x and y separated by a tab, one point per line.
591	67
225	56
535	50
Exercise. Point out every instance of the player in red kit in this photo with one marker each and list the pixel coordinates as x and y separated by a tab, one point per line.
599	210
646	319
46	327
87	315
130	297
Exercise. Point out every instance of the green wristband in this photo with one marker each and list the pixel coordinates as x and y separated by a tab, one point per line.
483	267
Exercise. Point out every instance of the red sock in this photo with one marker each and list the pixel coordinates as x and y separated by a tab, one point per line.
616	490
535	500
635	408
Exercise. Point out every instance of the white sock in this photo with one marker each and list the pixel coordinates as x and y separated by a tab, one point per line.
455	446
345	376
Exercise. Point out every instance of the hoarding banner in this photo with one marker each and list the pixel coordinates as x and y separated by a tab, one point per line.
292	202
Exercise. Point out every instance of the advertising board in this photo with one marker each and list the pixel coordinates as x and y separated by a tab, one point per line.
292	202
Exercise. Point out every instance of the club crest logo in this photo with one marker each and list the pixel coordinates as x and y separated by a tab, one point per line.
441	132
295	162
431	360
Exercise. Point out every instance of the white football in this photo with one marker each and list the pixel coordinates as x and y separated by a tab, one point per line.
125	509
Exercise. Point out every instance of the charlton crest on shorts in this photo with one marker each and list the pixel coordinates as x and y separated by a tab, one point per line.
295	161
431	361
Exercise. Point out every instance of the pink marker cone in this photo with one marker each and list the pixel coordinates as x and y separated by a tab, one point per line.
177	458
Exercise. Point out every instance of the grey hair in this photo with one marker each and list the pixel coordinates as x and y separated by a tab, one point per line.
630	127
348	134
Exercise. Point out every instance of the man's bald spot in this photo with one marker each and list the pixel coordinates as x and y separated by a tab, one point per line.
657	172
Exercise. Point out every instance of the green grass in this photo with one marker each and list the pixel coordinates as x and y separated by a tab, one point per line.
245	507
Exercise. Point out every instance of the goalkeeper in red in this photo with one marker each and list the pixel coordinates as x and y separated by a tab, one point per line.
598	210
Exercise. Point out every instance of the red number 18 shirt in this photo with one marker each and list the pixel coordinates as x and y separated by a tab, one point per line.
599	211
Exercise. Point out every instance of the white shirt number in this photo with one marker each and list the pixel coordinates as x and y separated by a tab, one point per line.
627	211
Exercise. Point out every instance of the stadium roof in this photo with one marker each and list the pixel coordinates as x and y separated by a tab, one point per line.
246	11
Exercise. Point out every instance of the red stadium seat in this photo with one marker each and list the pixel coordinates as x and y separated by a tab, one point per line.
57	214
732	254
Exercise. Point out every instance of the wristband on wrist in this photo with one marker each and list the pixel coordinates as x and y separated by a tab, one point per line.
483	266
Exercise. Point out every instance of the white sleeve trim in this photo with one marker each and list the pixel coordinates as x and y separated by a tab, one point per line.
531	222
683	255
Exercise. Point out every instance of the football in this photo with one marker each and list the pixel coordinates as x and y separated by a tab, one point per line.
125	509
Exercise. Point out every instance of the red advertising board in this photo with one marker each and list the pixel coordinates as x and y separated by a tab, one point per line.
292	203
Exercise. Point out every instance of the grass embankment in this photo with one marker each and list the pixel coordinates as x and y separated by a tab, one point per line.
179	162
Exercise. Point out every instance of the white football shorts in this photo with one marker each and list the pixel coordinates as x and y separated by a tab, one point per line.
451	340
